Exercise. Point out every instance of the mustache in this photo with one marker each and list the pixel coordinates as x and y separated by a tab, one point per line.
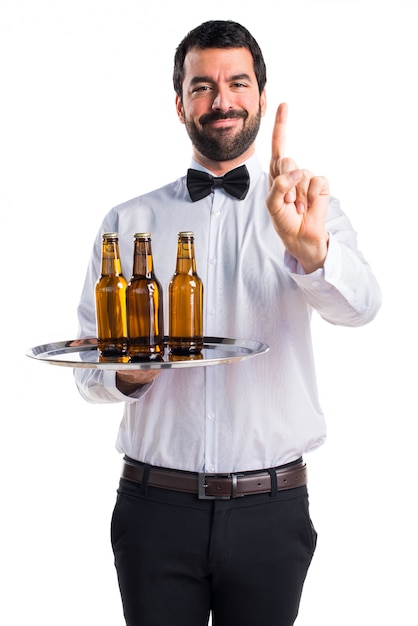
217	115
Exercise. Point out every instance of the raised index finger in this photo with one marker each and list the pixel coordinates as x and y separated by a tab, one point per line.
278	145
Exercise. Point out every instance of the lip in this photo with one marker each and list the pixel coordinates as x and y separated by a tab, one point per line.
226	123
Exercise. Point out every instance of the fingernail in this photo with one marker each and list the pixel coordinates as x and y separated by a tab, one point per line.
290	197
300	207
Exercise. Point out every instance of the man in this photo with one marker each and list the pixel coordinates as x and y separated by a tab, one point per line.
240	430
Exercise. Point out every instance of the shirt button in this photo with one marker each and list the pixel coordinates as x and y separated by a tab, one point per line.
212	311
211	415
315	283
216	212
213	261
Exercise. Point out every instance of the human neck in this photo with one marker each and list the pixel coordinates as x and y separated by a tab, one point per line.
219	168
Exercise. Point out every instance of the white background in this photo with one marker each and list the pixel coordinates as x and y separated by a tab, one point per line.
87	111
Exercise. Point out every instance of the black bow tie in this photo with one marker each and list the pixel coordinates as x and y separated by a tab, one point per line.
201	184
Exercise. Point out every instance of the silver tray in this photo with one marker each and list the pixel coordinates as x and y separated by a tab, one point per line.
84	353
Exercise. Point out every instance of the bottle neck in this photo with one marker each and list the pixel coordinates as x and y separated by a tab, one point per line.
111	265
143	265
186	262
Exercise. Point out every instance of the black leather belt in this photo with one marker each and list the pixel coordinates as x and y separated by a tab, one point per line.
218	486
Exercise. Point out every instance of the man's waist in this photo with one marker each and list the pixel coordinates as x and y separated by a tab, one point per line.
221	485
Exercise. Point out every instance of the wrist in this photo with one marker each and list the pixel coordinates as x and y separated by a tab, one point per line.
131	381
127	387
311	256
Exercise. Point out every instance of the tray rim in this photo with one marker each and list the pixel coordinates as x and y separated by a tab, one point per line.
240	349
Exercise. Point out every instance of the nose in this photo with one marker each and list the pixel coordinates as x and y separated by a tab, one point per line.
221	101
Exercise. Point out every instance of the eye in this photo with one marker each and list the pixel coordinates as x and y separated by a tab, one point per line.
201	88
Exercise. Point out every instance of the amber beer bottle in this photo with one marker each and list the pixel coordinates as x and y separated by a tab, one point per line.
144	302
111	301
185	300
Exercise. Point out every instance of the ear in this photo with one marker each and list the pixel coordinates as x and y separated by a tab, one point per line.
263	102
179	109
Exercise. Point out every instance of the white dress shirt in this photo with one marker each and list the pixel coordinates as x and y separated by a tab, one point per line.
259	412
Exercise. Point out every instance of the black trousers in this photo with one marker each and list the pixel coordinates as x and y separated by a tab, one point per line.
178	558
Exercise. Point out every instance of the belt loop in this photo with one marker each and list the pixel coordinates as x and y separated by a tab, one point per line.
273	479
234	485
145	477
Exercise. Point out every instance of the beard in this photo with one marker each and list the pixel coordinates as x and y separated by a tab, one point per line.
223	144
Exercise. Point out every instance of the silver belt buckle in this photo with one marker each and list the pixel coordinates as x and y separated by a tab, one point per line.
202	484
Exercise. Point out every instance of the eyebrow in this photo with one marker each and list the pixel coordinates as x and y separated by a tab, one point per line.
207	79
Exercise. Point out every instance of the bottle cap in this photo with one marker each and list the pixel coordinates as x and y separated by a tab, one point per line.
186	233
142	235
110	235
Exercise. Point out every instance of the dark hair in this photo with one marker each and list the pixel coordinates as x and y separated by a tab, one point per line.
218	34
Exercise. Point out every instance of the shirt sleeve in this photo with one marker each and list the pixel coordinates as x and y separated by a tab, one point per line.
99	386
344	291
